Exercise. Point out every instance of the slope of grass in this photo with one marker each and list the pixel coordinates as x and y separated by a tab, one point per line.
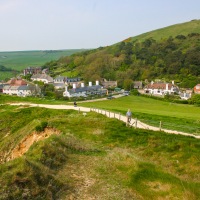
95	156
174	30
19	60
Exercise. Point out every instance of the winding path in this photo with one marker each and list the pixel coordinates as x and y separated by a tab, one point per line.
134	122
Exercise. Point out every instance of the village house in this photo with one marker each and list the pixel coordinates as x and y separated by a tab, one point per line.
43	78
108	84
65	79
137	85
20	87
197	89
161	88
83	91
32	70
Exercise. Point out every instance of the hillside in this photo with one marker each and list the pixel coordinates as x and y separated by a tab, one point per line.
92	157
169	53
19	60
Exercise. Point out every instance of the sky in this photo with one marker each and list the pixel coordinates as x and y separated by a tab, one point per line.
85	24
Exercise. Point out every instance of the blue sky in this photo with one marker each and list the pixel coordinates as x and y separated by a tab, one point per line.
76	24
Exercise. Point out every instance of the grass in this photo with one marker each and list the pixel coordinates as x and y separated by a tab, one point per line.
95	156
173	116
174	30
21	59
180	117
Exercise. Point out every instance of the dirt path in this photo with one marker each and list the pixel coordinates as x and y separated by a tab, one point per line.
135	123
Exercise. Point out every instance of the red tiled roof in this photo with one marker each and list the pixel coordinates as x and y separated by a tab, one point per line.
197	89
159	86
17	82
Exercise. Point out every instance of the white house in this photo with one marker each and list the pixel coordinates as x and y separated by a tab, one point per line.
43	78
10	89
22	90
83	91
161	88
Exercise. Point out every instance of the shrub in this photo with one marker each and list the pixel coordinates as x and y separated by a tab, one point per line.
41	127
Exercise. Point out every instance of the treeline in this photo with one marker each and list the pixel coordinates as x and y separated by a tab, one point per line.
5	69
176	58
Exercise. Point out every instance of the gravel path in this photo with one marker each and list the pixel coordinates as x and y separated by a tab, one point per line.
134	122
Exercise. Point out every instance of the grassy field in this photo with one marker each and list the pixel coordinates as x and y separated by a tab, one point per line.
21	59
173	31
180	117
173	116
94	157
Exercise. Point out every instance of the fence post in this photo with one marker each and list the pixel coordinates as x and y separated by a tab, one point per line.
109	114
160	127
119	116
135	123
114	115
79	110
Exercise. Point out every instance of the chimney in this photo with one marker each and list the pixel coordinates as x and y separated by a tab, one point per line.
90	83
74	86
97	82
82	84
167	86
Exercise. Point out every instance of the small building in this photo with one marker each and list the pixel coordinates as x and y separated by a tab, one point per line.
32	70
83	91
137	85
22	90
197	89
65	79
43	78
161	88
58	86
185	95
108	84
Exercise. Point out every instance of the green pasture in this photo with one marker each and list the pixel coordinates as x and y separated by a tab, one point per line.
4	75
21	59
116	162
173	116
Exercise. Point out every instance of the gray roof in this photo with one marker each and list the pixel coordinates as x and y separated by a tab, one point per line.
85	89
67	79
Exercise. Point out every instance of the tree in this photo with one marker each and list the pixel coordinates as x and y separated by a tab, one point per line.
128	84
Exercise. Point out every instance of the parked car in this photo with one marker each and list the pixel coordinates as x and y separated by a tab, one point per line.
110	97
126	93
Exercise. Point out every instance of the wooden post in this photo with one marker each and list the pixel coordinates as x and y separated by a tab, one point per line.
114	115
135	123
109	114
119	116
160	127
79	110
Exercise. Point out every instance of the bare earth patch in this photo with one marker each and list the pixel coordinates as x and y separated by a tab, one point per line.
26	143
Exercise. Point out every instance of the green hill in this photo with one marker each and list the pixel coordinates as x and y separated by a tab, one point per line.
174	30
90	157
171	53
19	60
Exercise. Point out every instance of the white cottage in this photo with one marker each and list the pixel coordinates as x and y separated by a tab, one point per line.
161	88
83	91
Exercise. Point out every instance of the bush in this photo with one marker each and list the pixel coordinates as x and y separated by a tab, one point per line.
41	127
